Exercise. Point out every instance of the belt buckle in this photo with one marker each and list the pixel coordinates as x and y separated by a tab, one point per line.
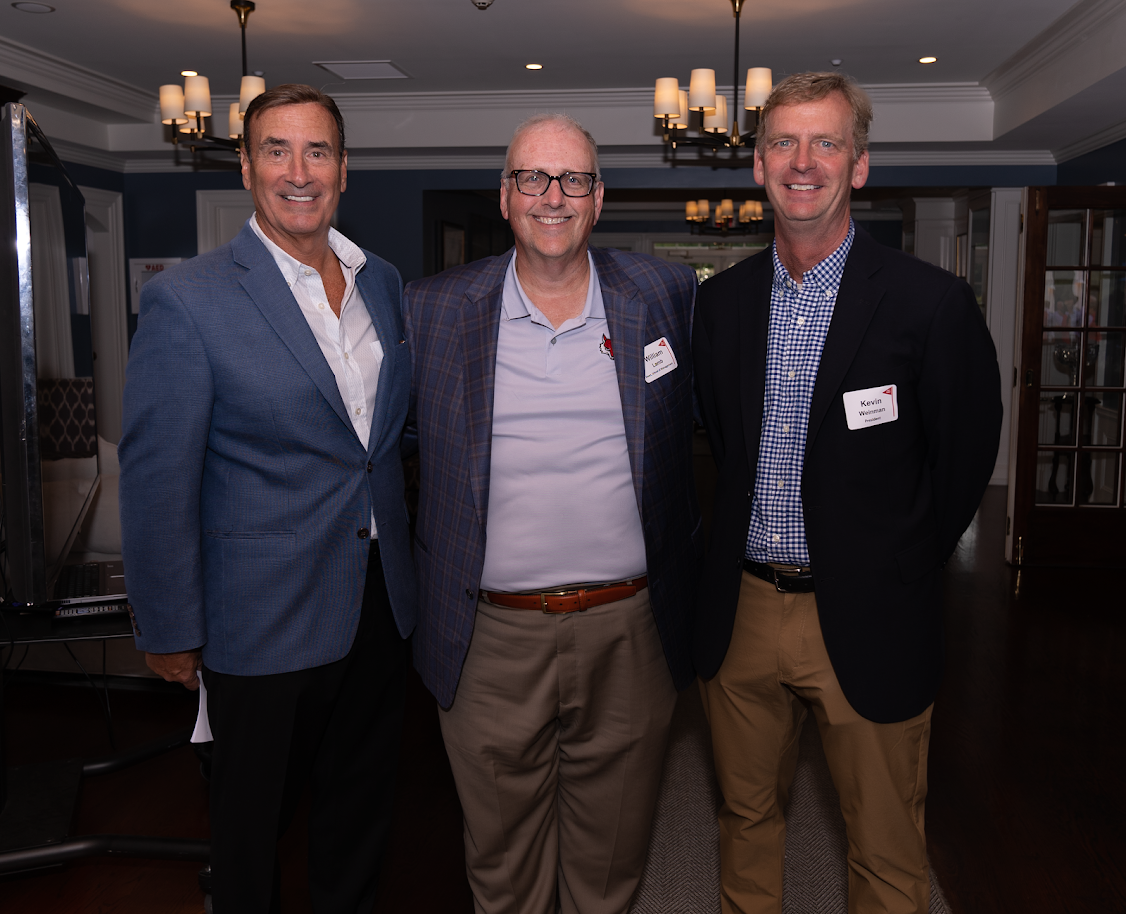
780	576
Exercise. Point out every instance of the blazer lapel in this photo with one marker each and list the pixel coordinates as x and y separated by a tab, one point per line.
753	308
479	325
857	300
625	317
375	299
264	284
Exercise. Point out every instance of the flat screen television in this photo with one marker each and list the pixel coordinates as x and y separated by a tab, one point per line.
49	453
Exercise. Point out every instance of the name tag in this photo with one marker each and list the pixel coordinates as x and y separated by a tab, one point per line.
659	360
873	406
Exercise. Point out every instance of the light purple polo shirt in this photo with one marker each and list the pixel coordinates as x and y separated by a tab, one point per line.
562	508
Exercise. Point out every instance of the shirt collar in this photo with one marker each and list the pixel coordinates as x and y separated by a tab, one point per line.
515	304
827	274
349	254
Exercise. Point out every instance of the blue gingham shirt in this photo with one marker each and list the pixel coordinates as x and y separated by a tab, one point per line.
799	322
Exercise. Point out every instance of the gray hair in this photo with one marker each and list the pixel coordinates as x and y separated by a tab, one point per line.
563	120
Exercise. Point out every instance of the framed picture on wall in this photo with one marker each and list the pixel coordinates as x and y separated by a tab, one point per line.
453	245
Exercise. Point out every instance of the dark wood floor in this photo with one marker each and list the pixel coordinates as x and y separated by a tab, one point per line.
1027	795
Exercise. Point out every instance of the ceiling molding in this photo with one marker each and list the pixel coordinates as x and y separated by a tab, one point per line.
1111	134
1077	52
927	92
85	155
1065	35
35	69
943	157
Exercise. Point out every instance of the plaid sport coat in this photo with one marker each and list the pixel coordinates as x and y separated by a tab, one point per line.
452	321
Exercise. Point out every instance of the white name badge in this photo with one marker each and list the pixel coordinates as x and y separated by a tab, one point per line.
873	406
659	360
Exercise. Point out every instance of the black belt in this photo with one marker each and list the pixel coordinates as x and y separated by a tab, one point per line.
799	580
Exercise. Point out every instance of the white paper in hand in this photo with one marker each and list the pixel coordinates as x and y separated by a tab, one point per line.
202	732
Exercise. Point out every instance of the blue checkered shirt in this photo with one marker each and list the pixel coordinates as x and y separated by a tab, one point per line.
799	322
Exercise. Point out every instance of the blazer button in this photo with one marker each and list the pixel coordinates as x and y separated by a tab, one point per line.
469	593
369	466
363	533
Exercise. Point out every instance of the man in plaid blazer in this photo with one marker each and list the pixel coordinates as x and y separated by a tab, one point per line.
558	533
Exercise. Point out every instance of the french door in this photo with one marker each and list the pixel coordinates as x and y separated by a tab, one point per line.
1067	500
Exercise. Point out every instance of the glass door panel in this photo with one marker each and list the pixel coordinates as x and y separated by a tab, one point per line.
1067	238
1107	305
1057	417
1108	238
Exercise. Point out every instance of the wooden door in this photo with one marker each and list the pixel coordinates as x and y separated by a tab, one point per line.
1067	500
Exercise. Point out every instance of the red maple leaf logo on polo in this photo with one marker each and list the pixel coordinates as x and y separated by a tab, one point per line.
606	346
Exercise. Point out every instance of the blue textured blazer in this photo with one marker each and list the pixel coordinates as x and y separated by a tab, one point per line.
452	322
244	488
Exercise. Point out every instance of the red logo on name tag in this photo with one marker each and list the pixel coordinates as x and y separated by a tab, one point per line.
606	347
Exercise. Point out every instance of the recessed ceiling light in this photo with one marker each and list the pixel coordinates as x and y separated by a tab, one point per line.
928	60
33	7
188	73
533	66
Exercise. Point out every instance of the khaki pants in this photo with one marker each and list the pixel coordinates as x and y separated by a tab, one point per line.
556	739
776	667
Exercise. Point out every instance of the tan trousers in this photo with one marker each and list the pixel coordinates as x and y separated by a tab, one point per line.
775	668
557	739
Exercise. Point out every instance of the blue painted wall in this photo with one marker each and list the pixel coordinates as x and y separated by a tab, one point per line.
1098	167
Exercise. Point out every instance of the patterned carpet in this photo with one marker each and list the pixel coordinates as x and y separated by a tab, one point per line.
682	875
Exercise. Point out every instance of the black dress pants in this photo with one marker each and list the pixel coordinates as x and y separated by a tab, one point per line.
336	727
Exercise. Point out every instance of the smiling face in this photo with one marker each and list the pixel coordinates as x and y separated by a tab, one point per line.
553	226
808	165
295	173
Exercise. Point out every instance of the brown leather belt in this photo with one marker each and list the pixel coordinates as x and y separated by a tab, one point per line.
569	600
785	580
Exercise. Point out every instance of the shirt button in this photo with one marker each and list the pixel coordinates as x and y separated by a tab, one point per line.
776	538
321	305
791	375
359	411
346	355
553	341
308	272
786	429
801	321
780	483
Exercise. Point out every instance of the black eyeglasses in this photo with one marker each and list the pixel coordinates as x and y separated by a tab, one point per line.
535	183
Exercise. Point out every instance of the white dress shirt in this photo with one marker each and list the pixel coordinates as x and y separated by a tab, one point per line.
349	343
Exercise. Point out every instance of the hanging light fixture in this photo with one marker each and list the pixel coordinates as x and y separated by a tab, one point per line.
723	220
672	104
185	107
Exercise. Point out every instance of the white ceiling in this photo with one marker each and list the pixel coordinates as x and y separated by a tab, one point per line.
1019	81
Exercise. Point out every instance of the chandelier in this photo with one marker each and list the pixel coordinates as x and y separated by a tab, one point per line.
696	214
673	104
185	107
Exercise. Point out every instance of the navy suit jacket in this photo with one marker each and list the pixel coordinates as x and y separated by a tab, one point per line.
245	493
884	506
452	322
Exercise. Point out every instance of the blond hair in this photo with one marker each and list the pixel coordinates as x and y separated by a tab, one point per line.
812	87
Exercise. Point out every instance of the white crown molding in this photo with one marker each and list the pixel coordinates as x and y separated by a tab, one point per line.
927	92
35	69
942	157
1111	134
85	155
1061	38
1081	48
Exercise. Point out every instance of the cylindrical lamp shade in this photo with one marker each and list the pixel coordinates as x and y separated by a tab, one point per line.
716	122
197	96
701	91
172	105
702	209
727	207
691	211
758	210
759	84
666	98
681	122
250	88
234	122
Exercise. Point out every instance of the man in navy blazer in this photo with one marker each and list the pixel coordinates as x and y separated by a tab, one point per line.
264	526
558	534
852	402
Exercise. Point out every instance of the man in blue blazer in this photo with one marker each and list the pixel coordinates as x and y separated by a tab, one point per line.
264	526
558	534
